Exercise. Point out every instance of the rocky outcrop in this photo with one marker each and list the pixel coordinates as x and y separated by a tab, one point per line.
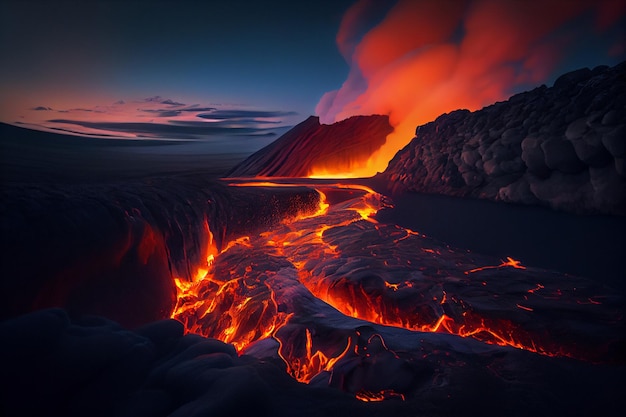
313	145
562	146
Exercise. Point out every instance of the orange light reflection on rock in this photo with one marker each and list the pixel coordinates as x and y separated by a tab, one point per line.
304	368
223	309
368	396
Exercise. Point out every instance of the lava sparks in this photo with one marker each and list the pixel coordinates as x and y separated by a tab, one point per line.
338	261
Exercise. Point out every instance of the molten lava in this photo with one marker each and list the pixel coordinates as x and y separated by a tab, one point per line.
235	306
509	262
382	395
306	365
269	285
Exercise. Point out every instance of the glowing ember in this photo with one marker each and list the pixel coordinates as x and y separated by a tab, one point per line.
382	395
509	262
305	366
233	306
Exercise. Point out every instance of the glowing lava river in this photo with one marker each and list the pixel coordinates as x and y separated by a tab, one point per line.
386	313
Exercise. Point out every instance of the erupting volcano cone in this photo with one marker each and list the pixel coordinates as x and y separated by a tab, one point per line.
314	148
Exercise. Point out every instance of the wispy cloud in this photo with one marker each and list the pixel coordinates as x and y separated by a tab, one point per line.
180	130
159	99
235	114
161	118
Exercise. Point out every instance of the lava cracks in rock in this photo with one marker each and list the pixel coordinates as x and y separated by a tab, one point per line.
234	303
319	294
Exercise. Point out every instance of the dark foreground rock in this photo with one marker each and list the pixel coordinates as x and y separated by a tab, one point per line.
54	366
562	146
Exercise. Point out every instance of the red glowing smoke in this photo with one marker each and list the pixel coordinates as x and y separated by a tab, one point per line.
426	58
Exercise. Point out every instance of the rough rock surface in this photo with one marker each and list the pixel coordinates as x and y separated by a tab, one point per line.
562	146
94	367
54	365
311	144
112	249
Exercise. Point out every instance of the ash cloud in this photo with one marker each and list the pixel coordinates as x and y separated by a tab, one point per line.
504	43
427	58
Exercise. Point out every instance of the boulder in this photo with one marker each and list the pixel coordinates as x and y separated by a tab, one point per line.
513	136
534	157
589	149
620	166
570	79
577	128
560	155
614	116
615	141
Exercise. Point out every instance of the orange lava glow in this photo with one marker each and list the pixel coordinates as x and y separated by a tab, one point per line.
510	262
218	307
381	310
368	396
416	64
305	366
233	297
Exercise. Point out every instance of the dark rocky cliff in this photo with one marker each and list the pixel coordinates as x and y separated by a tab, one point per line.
311	144
562	146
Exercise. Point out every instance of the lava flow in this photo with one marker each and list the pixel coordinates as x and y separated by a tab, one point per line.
298	286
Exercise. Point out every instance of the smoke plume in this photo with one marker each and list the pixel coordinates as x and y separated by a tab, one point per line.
426	58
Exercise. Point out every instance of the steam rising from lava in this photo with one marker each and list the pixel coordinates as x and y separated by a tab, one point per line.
427	58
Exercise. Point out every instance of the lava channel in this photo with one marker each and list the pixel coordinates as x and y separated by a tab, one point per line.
338	268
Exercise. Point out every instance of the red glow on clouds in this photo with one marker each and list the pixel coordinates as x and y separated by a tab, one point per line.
427	58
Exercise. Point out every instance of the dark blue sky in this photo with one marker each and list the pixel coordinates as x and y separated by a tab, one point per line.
279	55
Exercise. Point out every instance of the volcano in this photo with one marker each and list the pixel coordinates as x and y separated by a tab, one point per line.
159	292
311	147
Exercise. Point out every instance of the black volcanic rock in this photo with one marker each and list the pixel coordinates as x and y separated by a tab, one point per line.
562	146
313	145
53	365
114	249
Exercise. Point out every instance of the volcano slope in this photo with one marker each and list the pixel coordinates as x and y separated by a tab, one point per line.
311	145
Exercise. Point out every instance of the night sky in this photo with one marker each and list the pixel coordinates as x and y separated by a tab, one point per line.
278	55
291	59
